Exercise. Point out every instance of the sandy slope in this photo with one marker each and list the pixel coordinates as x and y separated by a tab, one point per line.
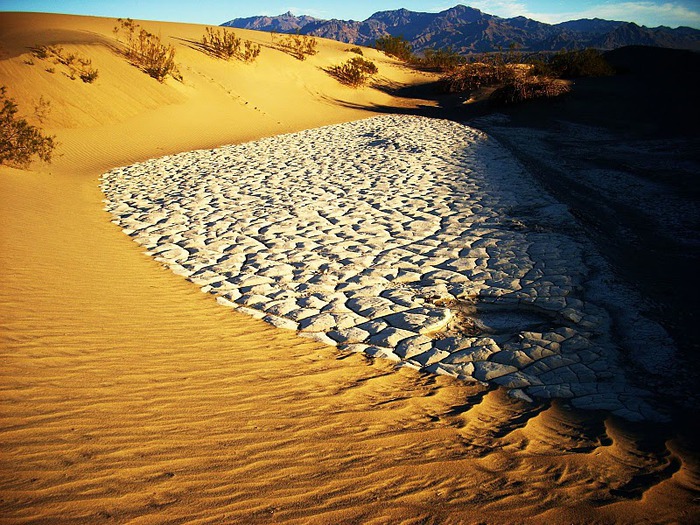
129	396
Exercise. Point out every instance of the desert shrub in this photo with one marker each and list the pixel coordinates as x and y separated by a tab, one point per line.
155	58
80	67
541	67
77	65
19	140
147	52
513	82
223	43
583	63
475	75
527	88
41	52
354	72
442	59
356	50
88	75
396	46
299	46
251	50
47	52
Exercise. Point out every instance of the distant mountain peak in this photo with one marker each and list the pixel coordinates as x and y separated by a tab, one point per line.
469	30
461	8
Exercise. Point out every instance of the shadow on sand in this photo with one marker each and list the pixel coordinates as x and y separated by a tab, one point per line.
623	153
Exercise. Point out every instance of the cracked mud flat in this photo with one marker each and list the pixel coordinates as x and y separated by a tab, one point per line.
411	239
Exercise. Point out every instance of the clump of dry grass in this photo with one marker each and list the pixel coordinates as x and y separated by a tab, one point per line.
146	51
299	46
77	66
528	88
223	43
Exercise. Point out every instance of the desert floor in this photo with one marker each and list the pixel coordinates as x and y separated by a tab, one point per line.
128	396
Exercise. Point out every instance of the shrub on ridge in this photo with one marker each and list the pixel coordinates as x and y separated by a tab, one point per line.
147	52
299	46
396	46
224	43
354	72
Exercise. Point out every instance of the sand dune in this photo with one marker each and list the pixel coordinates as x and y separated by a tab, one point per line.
130	396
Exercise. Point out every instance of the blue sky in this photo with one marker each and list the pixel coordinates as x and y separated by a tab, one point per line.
645	12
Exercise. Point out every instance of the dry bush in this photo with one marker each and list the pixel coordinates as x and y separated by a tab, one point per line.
147	52
251	50
396	46
356	50
223	43
19	140
513	82
78	66
528	88
441	59
299	46
354	72
470	77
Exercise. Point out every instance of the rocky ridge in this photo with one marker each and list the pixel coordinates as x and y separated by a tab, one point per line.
468	30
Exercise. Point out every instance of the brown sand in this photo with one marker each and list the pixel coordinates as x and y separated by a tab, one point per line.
129	396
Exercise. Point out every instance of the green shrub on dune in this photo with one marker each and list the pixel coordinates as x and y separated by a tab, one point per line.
354	72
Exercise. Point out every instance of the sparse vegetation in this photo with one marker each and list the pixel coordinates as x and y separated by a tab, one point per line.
223	43
354	72
88	75
396	46
513	81
299	46
146	51
77	66
42	109
473	76
528	88
356	50
442	59
20	142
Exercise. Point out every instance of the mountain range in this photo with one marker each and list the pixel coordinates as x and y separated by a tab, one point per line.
468	30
